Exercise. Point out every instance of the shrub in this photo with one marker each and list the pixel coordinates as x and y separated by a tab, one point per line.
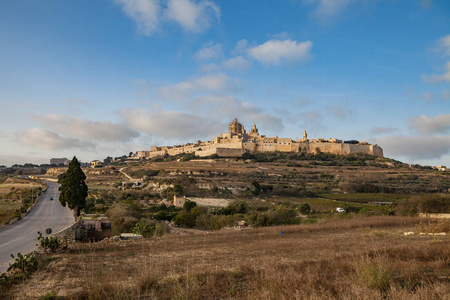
161	228
305	208
350	208
434	204
26	263
442	225
123	217
189	205
48	243
144	227
407	207
185	219
376	273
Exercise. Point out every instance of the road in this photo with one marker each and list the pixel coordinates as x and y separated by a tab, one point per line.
21	235
125	174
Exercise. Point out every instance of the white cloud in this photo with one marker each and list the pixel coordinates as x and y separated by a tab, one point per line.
209	52
276	51
444	44
340	112
445	95
427	125
208	83
443	47
438	78
280	36
382	130
45	139
326	10
96	130
329	8
171	124
415	147
228	107
209	68
194	16
236	63
241	47
146	13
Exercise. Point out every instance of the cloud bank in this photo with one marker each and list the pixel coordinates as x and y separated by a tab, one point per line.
44	139
431	125
150	15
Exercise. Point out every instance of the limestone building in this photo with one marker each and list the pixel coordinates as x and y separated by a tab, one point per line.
237	141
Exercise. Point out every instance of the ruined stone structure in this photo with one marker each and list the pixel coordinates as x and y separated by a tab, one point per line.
236	142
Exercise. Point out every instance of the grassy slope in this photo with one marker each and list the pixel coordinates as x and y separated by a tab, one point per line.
360	258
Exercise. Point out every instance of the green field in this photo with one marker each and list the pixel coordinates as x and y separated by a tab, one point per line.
365	197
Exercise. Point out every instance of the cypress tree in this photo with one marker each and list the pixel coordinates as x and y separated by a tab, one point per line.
73	188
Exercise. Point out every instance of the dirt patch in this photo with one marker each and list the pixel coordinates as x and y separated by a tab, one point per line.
210	201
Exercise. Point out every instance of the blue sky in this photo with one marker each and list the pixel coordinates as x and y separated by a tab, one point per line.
105	78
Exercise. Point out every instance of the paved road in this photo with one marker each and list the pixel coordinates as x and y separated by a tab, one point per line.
21	235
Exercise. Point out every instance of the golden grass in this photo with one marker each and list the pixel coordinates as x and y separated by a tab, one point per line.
340	259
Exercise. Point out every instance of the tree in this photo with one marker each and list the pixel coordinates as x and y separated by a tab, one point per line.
73	188
107	160
188	205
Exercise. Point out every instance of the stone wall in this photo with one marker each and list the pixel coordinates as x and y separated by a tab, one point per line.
224	152
69	233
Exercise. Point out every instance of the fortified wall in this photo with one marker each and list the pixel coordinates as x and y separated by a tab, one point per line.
236	142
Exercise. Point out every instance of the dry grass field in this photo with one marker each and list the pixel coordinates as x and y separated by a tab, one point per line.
12	190
367	258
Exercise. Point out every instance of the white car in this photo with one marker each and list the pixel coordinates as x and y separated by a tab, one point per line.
340	210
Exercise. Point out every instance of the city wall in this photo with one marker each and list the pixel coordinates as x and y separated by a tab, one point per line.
237	142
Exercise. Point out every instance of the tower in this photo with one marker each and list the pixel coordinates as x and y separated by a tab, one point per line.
236	128
305	135
254	130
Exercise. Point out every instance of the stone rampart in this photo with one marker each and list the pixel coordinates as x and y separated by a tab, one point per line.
241	142
206	152
226	152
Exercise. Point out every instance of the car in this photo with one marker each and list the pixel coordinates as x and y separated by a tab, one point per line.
51	198
340	210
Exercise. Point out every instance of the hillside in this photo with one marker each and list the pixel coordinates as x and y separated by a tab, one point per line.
367	258
274	178
296	245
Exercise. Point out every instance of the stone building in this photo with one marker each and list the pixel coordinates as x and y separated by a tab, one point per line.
237	141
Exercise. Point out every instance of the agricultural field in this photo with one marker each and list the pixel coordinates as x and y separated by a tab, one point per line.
15	196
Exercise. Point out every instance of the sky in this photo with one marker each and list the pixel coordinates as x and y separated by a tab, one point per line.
104	78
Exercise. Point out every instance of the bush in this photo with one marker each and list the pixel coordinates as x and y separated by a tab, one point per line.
434	204
305	208
123	217
277	216
189	205
407	207
26	263
161	229
185	219
376	273
144	227
48	243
